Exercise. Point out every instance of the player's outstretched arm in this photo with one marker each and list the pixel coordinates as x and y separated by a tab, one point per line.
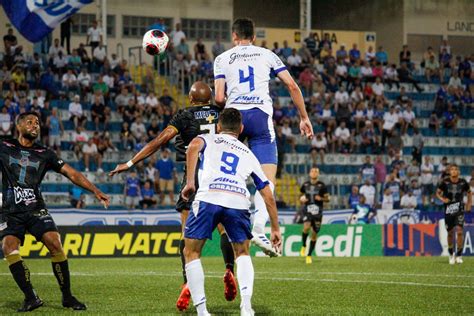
192	155
306	127
270	204
150	148
79	179
219	87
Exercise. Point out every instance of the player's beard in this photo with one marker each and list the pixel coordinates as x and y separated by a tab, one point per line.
30	136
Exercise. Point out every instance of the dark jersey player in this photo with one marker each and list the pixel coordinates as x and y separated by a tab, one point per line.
451	191
24	164
188	123
315	194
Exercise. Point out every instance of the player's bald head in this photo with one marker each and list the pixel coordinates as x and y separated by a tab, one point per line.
200	93
244	28
230	120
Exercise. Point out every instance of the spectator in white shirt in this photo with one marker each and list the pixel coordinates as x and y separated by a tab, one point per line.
341	96
408	119
114	61
152	103
84	79
89	150
366	72
109	80
378	87
390	119
455	81
69	80
391	76
55	49
343	137
94	36
368	190
76	113
341	70
427	170
294	60
99	55
387	200
370	54
138	129
177	35
60	63
319	146
357	95
408	201
287	131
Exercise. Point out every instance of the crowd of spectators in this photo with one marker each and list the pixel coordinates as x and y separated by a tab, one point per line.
345	93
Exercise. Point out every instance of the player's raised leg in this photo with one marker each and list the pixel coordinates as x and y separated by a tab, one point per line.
60	266
20	272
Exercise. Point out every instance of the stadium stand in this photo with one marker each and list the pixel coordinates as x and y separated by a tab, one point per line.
321	74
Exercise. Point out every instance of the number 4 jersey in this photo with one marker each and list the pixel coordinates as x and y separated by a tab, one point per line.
246	70
225	164
192	122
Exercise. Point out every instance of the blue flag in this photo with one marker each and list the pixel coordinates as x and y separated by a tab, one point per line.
34	19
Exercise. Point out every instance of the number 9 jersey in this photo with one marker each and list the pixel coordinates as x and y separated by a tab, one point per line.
246	70
225	164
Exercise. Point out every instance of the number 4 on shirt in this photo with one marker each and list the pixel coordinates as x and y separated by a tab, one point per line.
249	78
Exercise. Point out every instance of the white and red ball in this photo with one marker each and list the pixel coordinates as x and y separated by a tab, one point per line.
155	42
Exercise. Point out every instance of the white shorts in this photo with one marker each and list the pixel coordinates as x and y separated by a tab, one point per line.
54	140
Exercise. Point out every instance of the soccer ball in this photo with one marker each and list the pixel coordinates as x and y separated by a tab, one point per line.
155	42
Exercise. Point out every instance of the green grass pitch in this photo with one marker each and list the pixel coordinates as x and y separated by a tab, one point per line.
283	286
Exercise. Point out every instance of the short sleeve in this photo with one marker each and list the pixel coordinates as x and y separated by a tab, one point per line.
55	163
258	176
181	120
302	189
275	63
218	69
442	186
324	190
467	188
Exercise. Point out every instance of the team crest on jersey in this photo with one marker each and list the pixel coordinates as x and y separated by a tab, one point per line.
24	195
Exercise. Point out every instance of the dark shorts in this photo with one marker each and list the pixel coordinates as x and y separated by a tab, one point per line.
183	205
18	224
314	219
204	217
452	221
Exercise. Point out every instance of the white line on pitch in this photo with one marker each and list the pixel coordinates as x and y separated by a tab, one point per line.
212	275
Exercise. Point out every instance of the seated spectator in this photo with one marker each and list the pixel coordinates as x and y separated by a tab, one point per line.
433	123
404	74
218	48
378	71
354	74
138	129
395	143
378	87
418	193
390	120
329	70
69	81
465	68
84	79
148	196
343	138
167	100
445	59
363	212
417	145
319	146
455	81
306	80
76	114
451	119
100	114
368	191
287	131
367	171
89	151
286	51
77	197
294	61
151	103
60	63
427	171
354	53
387	199
122	100
405	56
55	130
358	116
327	117
131	191
130	111
408	201
166	174
105	144
199	50
55	49
153	129
341	70
183	47
125	81
79	138
75	61
413	170
409	119
341	54
394	188
276	50
353	197
368	138
101	86
432	68
391	76
19	78
357	95
370	54
6	124
367	72
381	56
99	55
